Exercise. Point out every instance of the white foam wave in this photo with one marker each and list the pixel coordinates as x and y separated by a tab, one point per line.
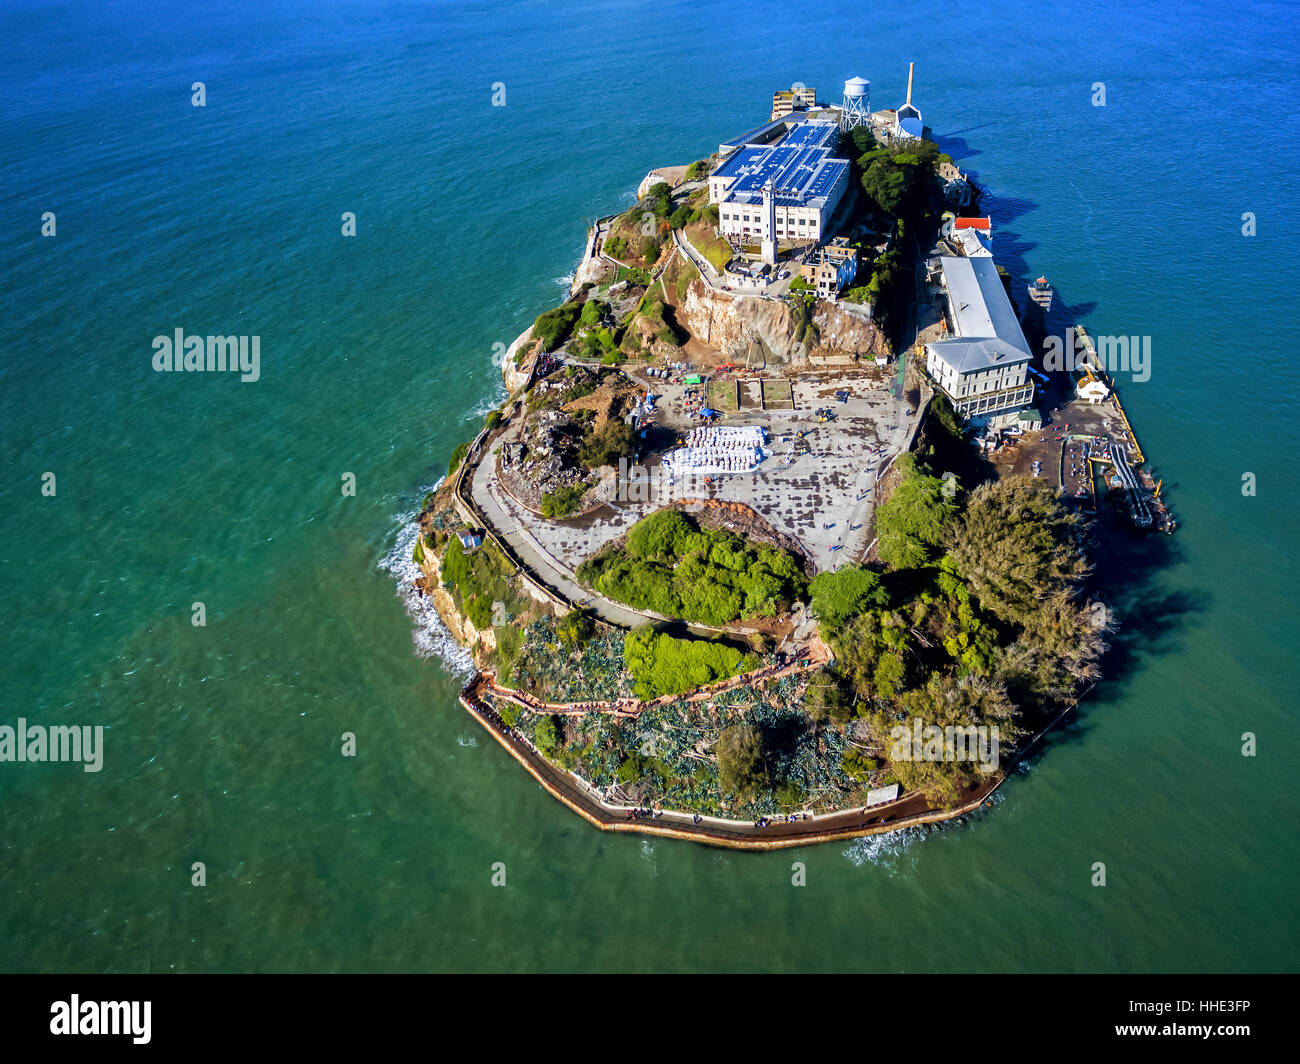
882	850
487	405
430	635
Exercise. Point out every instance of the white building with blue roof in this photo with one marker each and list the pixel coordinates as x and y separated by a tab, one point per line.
804	182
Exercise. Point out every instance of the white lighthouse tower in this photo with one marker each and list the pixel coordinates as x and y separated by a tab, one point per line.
769	223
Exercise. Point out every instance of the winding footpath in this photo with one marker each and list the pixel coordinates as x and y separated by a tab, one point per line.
588	802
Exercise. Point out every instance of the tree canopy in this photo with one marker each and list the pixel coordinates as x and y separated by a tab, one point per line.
740	760
673	567
912	523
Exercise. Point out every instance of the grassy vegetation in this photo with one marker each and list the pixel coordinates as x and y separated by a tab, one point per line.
478	579
457	456
674	568
663	665
510	641
722	395
686	273
660	317
563	501
714	249
555	326
633	275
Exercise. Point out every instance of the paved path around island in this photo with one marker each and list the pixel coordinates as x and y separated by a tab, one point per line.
483	491
590	803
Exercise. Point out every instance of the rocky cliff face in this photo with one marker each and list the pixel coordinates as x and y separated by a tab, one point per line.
726	322
844	334
515	376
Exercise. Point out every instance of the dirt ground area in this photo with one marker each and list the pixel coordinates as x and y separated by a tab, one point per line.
1058	450
818	487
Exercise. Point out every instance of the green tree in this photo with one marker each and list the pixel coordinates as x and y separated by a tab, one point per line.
838	596
575	628
827	699
1015	547
912	523
741	768
547	736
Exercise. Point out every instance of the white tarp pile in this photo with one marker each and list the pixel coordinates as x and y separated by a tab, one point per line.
717	449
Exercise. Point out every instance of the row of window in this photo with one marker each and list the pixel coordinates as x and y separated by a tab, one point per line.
758	218
997	402
990	385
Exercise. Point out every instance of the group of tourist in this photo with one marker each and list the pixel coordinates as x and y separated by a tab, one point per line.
789	818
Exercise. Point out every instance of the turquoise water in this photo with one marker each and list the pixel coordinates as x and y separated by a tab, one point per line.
222	742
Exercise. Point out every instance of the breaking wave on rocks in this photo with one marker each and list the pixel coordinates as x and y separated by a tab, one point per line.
430	635
885	850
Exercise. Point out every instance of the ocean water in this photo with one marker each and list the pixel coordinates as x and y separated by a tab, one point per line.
222	743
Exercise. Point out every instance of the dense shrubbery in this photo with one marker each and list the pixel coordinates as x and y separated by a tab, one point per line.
895	178
606	446
563	501
555	326
575	628
674	568
457	456
662	665
912	521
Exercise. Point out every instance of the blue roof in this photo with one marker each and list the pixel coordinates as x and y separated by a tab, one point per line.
798	165
810	135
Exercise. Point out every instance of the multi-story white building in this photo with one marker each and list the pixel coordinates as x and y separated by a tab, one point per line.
806	184
983	364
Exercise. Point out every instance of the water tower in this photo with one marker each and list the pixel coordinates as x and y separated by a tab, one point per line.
857	104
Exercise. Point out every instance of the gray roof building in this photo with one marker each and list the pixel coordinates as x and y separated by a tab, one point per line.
983	364
977	302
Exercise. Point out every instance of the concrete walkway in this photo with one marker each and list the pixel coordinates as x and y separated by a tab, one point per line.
588	801
483	490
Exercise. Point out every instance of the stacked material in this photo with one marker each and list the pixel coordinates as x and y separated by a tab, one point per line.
724	436
723	449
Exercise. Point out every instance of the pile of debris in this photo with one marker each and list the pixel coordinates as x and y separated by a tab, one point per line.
546	459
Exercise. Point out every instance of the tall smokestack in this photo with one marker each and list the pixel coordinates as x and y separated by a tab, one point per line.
910	68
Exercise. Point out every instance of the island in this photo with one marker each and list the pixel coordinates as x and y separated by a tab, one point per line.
783	533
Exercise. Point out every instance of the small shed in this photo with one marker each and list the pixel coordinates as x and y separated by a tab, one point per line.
1030	420
470	538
